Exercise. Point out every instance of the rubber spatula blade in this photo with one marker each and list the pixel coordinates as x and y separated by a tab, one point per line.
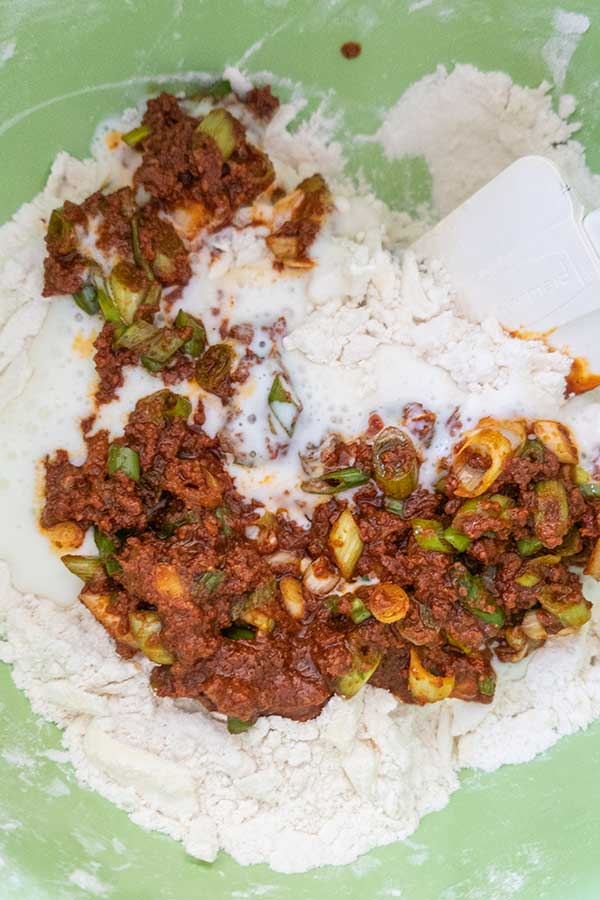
522	250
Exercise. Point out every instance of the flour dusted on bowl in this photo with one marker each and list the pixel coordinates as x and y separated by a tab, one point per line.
369	328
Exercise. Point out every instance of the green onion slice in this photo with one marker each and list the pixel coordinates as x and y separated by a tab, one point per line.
196	345
529	546
125	460
477	596
161	349
239	633
139	257
105	544
214	366
107	307
136	335
220	125
87	299
216	91
456	539
394	506
128	288
487	685
334	482
551	514
359	612
85	567
284	405
221	514
591	489
211	580
238	726
429	534
363	667
60	234
395	463
136	135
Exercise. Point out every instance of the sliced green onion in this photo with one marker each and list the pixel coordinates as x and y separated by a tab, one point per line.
284	405
214	366
250	609
196	344
591	489
581	475
112	566
488	445
429	534
238	726
136	135
345	543
176	405
333	603
146	626
532	573
500	504
221	514
576	615
334	482
529	546
135	335
396	507
107	307
440	485
60	234
532	450
164	267
395	463
571	615
85	567
476	597
139	257
487	685
104	543
127	290
551	514
211	580
239	633
161	349
359	612
155	407
87	299
456	539
292	596
572	544
363	667
220	125
125	460
528	579
424	685
558	439
216	91
464	648
151	365
154	294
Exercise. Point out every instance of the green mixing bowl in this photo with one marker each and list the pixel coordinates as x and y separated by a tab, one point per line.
524	832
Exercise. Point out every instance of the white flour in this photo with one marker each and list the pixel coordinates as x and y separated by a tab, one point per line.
469	125
569	28
362	774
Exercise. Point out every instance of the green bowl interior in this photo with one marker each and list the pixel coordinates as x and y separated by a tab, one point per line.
526	831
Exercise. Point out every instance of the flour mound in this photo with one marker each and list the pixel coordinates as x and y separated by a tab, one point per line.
470	125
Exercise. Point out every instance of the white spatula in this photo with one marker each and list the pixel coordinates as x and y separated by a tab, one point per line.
522	250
